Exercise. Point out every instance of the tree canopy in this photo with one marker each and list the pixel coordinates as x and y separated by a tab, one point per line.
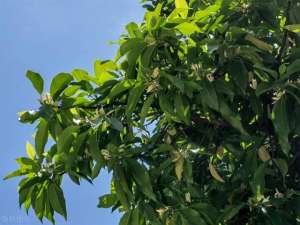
196	118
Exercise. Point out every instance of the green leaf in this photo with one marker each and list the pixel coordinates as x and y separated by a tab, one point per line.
294	67
30	151
81	75
165	104
125	218
145	109
59	83
116	124
258	183
263	87
131	45
232	212
97	169
188	28
57	199
66	138
193	217
41	137
209	96
36	80
281	124
142	178
134	96
133	30
24	195
122	197
28	116
120	88
282	165
209	11
29	182
16	173
134	218
103	71
94	148
122	178
175	81
39	203
182	108
147	55
293	28
239	73
48	213
231	117
107	201
182	4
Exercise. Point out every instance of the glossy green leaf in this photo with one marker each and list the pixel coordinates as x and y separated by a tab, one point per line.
59	83
41	137
57	199
142	178
36	80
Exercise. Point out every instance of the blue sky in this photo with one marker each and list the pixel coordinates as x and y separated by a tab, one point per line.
52	36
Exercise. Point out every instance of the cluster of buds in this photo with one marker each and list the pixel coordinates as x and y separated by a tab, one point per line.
46	99
153	83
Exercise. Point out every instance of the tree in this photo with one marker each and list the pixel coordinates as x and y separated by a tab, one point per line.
197	119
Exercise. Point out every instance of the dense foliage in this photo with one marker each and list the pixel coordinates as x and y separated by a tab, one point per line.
197	119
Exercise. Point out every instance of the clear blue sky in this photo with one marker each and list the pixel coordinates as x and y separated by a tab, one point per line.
52	36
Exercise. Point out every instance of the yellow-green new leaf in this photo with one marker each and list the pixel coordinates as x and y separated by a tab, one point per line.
293	28
182	4
103	71
30	151
188	28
